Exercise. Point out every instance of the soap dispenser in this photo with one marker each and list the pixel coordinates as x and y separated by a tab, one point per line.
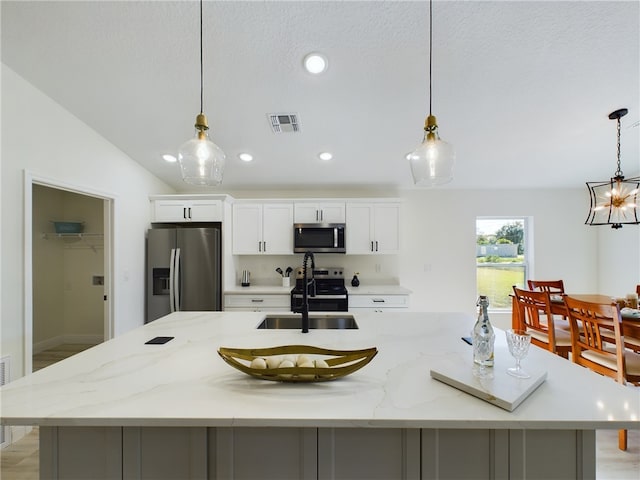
354	281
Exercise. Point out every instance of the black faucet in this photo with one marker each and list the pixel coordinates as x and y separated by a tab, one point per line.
307	284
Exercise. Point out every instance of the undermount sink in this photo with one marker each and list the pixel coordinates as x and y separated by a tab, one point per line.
320	322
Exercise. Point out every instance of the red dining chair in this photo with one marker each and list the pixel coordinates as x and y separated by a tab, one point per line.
597	343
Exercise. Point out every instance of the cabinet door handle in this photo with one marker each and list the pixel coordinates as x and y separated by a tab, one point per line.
372	245
322	215
264	247
317	217
189	213
376	245
378	300
257	300
184	212
259	246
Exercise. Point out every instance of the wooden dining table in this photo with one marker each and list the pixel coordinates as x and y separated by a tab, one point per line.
630	321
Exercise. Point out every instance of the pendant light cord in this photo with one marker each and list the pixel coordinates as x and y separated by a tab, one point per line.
430	48
619	170
201	63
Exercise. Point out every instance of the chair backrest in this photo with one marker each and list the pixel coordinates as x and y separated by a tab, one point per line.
551	286
596	337
532	308
638	289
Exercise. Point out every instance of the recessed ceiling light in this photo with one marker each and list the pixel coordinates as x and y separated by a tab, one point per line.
169	158
315	63
325	156
245	157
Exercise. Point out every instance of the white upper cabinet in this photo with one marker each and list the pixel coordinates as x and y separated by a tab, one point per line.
187	210
314	212
262	228
373	228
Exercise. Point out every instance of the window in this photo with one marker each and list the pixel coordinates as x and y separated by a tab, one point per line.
501	258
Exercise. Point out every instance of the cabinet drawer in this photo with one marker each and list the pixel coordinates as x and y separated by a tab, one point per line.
254	301
378	301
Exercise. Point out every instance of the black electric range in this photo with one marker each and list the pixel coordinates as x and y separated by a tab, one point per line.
327	292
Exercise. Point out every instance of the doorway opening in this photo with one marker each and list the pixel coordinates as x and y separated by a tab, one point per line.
68	303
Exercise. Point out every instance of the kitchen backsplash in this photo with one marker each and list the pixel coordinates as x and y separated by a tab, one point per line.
373	270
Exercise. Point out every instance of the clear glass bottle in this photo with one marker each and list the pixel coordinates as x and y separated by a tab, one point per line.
483	336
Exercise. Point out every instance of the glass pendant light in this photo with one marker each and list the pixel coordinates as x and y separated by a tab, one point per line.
201	161
617	201
432	162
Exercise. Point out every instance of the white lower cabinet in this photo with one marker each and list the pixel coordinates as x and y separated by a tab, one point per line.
256	303
248	453
378	303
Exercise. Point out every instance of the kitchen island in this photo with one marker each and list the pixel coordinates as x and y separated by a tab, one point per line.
124	409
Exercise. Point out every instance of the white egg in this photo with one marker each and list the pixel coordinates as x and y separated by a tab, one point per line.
302	359
286	364
293	358
308	364
321	364
274	361
258	363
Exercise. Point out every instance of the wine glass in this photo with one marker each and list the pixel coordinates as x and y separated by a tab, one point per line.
518	341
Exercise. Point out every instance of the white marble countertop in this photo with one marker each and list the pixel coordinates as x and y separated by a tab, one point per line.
184	382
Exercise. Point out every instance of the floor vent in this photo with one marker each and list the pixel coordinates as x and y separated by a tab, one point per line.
4	378
284	122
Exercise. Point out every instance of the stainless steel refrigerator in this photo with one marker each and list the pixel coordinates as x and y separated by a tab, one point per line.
183	270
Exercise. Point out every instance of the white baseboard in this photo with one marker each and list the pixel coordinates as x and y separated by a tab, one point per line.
62	339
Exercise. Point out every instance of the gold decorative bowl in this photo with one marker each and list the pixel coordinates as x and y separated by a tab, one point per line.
339	362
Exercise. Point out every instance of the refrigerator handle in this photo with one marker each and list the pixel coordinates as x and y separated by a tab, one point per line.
176	280
172	259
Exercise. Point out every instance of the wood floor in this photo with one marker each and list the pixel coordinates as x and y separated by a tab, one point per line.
19	461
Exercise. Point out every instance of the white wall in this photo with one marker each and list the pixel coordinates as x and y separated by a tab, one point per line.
618	260
63	149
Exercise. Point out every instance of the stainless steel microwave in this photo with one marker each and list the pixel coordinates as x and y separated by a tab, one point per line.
319	237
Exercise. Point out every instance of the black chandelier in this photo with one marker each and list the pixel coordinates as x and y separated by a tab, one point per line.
615	202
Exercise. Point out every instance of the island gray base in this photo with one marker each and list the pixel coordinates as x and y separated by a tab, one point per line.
313	453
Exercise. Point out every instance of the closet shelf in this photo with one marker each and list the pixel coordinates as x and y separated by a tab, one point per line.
87	240
71	235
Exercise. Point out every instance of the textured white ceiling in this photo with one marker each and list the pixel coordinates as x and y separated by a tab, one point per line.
521	89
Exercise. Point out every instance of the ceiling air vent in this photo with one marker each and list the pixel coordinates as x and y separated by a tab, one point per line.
284	122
